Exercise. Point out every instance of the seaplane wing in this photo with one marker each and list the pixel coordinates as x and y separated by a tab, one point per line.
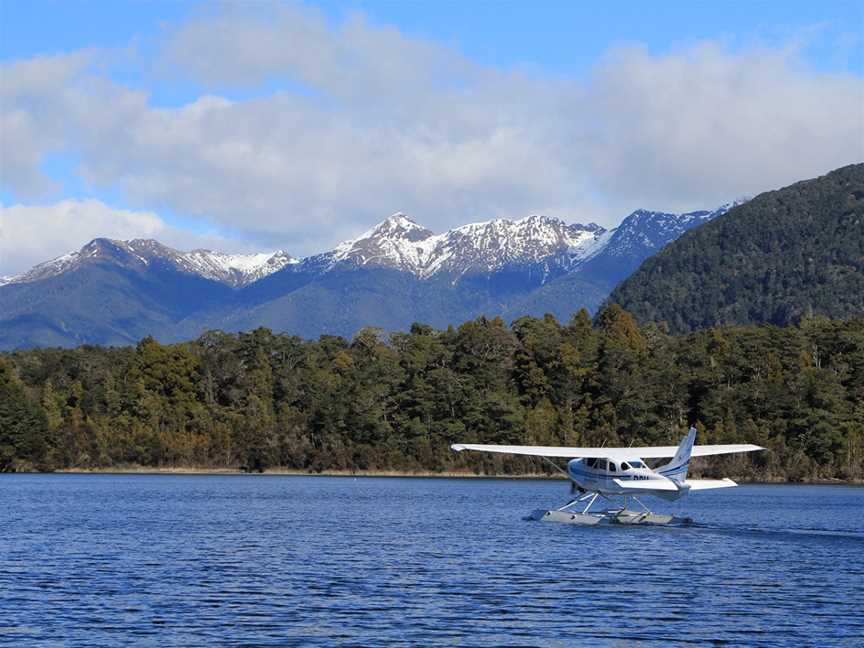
620	454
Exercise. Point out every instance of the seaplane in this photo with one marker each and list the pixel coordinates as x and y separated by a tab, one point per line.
611	472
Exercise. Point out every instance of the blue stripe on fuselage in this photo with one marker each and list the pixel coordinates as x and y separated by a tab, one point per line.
607	476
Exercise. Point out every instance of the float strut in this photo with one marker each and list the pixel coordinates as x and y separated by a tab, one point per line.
641	504
568	504
590	503
581	498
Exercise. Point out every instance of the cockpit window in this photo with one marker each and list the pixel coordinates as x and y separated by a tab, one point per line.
637	464
625	465
596	464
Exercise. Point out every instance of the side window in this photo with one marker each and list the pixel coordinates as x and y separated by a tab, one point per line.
612	467
625	466
590	462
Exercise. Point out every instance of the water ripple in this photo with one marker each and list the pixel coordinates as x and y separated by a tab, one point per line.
283	561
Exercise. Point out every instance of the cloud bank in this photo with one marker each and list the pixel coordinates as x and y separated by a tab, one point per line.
338	126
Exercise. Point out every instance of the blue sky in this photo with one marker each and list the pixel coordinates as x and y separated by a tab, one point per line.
292	125
557	37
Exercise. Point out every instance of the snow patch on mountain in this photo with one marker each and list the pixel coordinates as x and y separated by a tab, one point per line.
235	269
46	269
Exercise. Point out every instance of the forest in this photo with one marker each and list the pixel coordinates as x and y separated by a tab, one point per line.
395	402
783	255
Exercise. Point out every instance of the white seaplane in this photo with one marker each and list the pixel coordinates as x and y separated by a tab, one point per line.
608	472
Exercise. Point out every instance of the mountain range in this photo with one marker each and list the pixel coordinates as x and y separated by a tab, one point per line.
235	270
115	292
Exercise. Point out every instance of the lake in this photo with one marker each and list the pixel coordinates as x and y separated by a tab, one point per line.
165	560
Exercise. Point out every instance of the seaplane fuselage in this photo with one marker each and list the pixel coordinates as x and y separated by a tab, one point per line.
612	477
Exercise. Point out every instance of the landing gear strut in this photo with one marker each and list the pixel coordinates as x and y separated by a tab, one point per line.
592	497
581	498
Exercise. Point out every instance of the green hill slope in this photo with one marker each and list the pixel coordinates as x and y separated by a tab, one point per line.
783	255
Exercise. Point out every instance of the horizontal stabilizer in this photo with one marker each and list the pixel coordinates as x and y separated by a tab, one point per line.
617	454
647	484
705	484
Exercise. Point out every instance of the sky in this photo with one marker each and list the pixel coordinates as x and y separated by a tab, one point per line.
252	125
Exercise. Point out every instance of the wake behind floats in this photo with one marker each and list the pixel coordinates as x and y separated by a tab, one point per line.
606	472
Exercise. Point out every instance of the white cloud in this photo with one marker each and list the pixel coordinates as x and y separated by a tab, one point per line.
370	121
696	127
246	46
30	126
31	234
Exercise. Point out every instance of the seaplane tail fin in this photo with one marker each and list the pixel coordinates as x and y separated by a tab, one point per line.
705	484
676	470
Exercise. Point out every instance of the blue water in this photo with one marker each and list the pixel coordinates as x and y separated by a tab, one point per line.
110	560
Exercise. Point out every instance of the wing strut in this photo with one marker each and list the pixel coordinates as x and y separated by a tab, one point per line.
556	466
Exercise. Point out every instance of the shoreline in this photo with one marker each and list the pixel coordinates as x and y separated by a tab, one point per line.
289	472
276	472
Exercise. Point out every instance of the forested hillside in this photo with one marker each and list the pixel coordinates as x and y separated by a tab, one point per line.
259	400
782	256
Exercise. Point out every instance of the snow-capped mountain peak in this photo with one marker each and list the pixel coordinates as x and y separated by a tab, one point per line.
645	232
400	243
232	269
398	226
490	245
397	242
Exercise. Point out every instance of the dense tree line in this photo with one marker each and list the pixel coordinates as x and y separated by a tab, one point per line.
259	400
782	256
